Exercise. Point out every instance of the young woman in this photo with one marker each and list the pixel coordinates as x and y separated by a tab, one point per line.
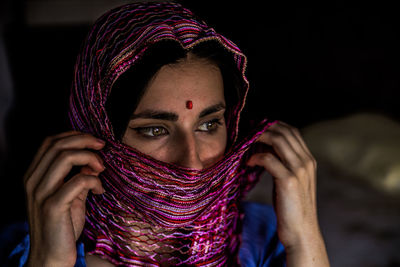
155	108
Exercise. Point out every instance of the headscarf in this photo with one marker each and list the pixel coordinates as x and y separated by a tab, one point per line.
154	213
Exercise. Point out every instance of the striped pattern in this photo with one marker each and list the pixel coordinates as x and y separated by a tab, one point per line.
155	213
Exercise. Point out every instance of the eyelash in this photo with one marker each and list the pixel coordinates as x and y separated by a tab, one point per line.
216	122
143	131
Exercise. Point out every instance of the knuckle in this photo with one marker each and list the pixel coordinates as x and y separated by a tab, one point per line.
277	137
286	132
67	155
91	156
53	145
49	206
28	185
301	171
48	140
288	129
37	197
314	163
59	144
285	125
296	131
311	163
84	181
267	157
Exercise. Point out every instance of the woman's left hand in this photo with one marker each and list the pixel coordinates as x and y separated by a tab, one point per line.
293	169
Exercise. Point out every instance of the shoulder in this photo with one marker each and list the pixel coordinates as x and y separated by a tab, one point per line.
260	242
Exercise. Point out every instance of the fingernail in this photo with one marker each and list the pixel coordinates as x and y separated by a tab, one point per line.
101	141
100	159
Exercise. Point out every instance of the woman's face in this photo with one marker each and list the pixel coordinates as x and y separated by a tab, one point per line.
163	127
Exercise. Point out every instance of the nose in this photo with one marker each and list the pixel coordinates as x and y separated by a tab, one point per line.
187	152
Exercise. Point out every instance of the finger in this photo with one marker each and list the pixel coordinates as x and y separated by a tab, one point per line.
89	171
29	183
55	175
299	137
271	164
44	146
283	148
79	185
289	133
307	157
69	142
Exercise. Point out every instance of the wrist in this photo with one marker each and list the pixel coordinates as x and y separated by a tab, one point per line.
42	260
309	251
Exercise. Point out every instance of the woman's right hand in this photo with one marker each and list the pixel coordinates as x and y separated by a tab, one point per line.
56	209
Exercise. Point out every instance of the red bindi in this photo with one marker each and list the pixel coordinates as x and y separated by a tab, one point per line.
189	104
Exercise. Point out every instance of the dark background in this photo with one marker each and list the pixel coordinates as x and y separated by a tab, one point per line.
307	63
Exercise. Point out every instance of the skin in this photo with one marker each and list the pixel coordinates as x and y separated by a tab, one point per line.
187	137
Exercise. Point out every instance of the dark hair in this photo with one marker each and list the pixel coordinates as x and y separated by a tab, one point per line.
129	88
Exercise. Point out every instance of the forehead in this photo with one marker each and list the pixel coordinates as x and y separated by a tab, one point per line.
193	79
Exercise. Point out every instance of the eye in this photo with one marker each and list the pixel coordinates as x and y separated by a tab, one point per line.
210	126
151	131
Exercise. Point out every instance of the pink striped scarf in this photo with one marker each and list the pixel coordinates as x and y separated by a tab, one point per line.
154	213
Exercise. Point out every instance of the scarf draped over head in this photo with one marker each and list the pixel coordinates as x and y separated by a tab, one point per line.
154	213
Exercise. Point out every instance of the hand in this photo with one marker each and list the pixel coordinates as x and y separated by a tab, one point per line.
56	209
293	168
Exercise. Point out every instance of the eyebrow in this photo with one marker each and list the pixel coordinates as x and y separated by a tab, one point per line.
156	114
211	110
170	116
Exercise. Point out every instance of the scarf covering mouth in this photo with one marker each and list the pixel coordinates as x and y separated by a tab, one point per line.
154	213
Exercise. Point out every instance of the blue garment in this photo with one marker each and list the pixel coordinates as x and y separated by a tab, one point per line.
260	243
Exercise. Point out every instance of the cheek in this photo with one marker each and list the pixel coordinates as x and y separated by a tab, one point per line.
209	148
157	150
212	149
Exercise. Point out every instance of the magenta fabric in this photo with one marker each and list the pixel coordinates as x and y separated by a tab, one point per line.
154	213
